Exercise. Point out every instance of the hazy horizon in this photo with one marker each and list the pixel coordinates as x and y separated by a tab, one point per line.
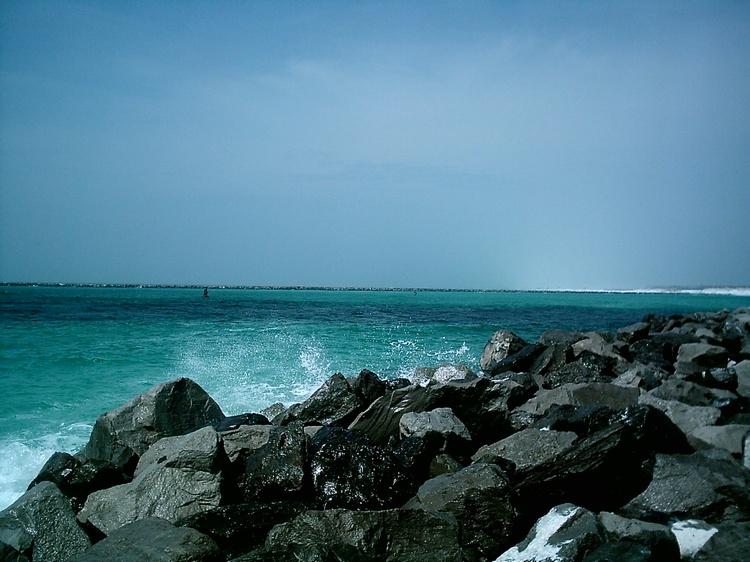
466	145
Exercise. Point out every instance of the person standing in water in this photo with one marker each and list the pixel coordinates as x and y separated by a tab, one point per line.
205	292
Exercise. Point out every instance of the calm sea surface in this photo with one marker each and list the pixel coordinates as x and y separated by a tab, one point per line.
68	354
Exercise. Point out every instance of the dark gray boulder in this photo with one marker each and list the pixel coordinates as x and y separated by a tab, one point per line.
233	422
41	526
417	454
742	372
519	362
368	386
661	542
696	394
242	527
696	358
582	394
622	551
334	403
77	479
276	470
659	350
564	534
178	476
693	486
501	345
442	422
634	332
482	500
684	416
389	536
526	449
481	404
152	540
731	543
730	438
349	471
172	408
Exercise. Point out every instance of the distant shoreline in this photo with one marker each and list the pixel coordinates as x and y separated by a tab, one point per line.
728	291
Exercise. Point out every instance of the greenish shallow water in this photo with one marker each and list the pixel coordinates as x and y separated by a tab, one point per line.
71	353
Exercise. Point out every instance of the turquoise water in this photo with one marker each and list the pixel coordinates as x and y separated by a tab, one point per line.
71	353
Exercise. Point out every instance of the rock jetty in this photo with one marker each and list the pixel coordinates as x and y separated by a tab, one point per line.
579	447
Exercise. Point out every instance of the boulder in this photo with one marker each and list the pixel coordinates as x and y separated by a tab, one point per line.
693	486
687	418
481	499
417	453
520	361
391	536
77	479
276	470
695	358
742	371
564	534
502	344
621	551
659	350
634	332
597	344
41	526
440	421
368	386
585	394
239	442
731	438
588	368
599	472
153	540
731	543
526	449
176	477
552	358
696	394
178	407
242	527
661	542
334	403
557	336
481	403
349	471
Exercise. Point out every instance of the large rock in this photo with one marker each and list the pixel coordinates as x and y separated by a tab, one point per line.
152	540
350	471
242	527
276	470
481	404
584	394
334	403
389	536
697	358
501	345
731	438
172	408
564	534
526	449
731	543
684	416
176	477
77	479
440	421
661	542
742	370
481	499
696	394
693	486
239	442
520	361
41	526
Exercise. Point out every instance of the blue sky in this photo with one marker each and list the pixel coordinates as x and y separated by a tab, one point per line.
496	145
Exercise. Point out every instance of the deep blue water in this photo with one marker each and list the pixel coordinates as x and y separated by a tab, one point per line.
68	354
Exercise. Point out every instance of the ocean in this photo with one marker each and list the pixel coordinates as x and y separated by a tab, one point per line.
70	353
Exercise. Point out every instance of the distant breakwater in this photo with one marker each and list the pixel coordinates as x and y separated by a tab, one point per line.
631	445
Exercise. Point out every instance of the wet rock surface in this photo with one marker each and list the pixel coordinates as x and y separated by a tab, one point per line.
581	446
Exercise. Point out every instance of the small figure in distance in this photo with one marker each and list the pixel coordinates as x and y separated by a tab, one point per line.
205	292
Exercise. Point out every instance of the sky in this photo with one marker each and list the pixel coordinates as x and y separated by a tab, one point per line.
442	144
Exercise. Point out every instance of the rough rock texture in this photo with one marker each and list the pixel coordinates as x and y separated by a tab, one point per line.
176	477
153	540
121	435
390	535
501	345
693	485
276	470
334	403
566	533
647	426
481	499
348	470
40	526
